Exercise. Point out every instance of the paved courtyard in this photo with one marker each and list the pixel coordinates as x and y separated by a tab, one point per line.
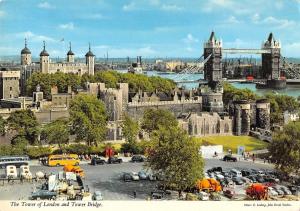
106	178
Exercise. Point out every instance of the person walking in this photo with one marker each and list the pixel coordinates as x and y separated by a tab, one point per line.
134	194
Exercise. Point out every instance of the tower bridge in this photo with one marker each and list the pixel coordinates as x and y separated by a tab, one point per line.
270	51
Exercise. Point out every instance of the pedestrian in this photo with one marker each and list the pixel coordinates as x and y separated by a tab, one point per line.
134	194
264	160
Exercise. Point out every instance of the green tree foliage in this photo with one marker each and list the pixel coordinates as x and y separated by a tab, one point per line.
3	124
46	81
153	119
130	129
25	124
279	104
176	156
88	118
285	148
110	78
231	93
36	152
56	132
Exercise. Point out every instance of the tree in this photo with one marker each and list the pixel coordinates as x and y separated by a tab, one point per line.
154	118
3	124
130	129
176	156
56	132
285	148
88	119
24	122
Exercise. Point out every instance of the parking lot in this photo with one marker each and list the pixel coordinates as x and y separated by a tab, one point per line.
106	178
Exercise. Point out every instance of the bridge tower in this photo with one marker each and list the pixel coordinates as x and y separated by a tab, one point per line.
212	93
213	67
271	64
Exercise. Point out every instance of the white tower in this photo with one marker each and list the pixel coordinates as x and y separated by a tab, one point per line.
25	55
44	60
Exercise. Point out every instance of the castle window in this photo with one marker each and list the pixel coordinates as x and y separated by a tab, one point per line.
10	88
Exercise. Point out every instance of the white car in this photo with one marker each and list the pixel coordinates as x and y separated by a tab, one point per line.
219	176
151	177
203	196
272	192
97	196
134	176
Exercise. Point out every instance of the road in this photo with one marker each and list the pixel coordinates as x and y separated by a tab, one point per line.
106	178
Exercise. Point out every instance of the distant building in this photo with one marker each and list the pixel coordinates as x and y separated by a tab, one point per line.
290	117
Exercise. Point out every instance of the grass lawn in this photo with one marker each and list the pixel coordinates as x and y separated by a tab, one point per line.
232	142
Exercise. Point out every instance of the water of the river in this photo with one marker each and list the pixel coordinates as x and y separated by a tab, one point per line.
291	90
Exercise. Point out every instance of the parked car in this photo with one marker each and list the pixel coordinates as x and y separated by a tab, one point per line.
215	169
278	190
211	175
235	173
228	181
295	190
137	158
229	193
157	194
246	173
203	196
220	177
285	190
260	179
229	158
252	178
151	177
272	191
43	194
134	176
143	175
113	160
127	177
238	180
97	196
97	161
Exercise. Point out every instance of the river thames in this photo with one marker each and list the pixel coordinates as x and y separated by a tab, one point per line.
291	90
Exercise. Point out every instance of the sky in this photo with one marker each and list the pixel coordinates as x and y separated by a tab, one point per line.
149	28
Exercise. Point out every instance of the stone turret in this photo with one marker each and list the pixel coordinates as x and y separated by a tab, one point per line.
44	60
70	54
25	55
241	117
90	61
263	114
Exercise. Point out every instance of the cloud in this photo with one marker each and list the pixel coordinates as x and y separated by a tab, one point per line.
273	21
2	13
189	39
129	7
34	37
171	7
45	5
96	16
291	49
146	51
67	26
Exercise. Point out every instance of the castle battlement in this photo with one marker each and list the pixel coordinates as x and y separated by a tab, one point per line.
140	104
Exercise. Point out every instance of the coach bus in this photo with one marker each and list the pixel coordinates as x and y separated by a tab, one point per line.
17	160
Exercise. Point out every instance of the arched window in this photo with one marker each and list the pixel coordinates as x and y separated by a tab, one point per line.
226	128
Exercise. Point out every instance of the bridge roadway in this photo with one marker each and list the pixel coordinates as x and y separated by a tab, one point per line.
201	81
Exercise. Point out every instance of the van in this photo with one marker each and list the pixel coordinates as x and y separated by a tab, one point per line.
64	159
236	173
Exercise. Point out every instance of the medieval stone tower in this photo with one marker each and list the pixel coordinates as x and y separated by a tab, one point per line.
25	55
213	67
241	117
90	61
44	60
70	55
263	114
